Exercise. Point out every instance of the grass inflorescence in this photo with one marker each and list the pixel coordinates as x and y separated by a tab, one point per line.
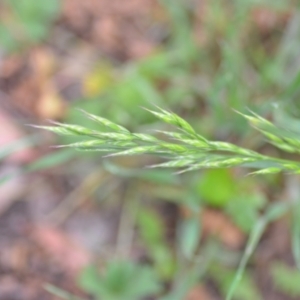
184	149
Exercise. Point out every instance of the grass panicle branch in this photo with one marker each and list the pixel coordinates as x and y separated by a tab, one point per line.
184	149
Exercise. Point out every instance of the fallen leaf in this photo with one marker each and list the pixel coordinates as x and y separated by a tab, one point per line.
215	223
44	62
10	133
61	247
267	19
50	105
199	292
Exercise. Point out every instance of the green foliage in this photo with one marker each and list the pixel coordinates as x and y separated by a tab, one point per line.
246	290
51	160
153	237
27	22
189	236
274	212
296	234
221	182
286	279
244	209
121	281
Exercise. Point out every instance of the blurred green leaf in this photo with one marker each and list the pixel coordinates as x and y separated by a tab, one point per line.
121	281
152	230
161	177
189	236
29	10
296	235
151	227
6	39
157	66
286	279
181	37
273	212
52	160
90	280
246	290
29	22
244	208
216	187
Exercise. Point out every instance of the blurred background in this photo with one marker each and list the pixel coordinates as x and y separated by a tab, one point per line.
109	228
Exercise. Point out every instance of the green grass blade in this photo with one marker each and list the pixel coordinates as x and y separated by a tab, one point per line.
273	213
17	145
51	160
296	236
60	293
254	238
